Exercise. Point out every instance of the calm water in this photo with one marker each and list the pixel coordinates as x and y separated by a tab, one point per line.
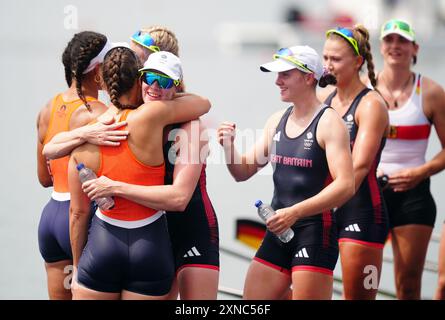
33	36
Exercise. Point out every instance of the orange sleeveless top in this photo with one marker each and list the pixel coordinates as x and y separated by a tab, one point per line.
59	121
119	163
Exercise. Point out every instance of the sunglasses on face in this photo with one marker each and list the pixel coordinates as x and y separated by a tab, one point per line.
287	54
346	34
163	81
145	40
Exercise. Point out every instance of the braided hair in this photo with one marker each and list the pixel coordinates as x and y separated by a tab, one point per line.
361	34
66	60
85	47
119	72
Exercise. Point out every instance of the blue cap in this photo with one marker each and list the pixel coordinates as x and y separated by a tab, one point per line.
80	166
258	203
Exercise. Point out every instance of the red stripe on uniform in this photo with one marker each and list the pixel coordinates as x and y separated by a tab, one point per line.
207	204
273	266
313	269
375	193
202	266
327	218
417	132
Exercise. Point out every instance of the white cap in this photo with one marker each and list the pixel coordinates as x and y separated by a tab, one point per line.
101	55
307	56
400	27
165	62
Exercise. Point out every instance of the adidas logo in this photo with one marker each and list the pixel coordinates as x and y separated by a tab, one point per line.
302	254
193	252
353	227
277	136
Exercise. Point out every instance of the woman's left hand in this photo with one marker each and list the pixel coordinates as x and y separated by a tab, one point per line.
100	187
282	220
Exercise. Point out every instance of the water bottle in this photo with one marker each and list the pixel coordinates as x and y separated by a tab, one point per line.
85	174
265	211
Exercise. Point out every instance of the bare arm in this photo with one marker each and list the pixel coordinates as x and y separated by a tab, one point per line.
333	137
372	117
42	163
434	107
242	167
435	97
79	212
99	133
173	197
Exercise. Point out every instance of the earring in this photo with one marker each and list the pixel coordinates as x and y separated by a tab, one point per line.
97	78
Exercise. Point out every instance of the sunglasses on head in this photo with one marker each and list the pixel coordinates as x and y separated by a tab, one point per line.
397	24
145	40
287	54
346	34
163	81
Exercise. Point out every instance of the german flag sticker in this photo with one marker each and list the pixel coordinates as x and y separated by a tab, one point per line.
250	232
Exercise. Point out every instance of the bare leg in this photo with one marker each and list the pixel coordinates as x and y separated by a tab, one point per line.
127	295
265	283
198	283
58	275
82	293
309	285
356	259
409	244
440	292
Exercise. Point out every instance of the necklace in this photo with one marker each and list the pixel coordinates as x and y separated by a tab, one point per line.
396	104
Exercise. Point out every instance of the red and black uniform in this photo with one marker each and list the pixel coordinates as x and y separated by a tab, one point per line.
364	218
193	232
300	172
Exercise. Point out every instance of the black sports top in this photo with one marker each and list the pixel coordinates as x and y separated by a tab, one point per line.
300	167
368	197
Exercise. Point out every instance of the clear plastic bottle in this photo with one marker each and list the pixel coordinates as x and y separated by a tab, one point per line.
265	211
85	174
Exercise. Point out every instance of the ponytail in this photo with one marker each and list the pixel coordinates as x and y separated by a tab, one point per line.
361	34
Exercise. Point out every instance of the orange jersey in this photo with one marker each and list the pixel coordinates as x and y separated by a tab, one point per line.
119	163
59	121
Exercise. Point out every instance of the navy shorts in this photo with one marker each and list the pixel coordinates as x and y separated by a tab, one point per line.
53	233
138	260
194	235
415	206
314	247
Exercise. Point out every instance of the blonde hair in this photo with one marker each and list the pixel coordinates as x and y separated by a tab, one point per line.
361	35
164	38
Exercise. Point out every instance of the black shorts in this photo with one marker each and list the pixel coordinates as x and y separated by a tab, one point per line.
314	247
138	260
415	206
194	235
365	230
